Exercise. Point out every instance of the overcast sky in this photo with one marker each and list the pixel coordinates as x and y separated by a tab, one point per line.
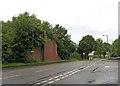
79	17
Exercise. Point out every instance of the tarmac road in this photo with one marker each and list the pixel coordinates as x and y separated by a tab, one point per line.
77	72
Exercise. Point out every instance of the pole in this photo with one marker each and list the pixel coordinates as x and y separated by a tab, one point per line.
107	38
107	52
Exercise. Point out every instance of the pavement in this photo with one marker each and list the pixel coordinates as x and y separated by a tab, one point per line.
77	72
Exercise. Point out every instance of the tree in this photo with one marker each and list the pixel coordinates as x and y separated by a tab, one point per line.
65	44
8	35
100	49
47	28
86	45
28	33
115	49
118	46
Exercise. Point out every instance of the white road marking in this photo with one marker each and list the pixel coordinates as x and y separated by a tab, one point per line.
73	72
38	83
12	76
60	75
50	82
79	70
50	79
57	79
44	81
69	72
66	75
107	66
75	69
86	67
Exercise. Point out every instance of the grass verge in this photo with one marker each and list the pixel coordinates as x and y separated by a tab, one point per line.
7	65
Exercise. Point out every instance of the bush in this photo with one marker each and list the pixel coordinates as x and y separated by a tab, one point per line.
75	56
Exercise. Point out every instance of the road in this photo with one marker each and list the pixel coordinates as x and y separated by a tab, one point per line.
77	72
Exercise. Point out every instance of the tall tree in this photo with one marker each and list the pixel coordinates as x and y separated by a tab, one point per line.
65	44
100	49
28	34
8	35
86	45
115	49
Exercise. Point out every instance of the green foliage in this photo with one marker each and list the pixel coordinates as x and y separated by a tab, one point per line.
75	55
8	35
64	42
118	46
19	36
16	64
26	31
28	34
86	46
47	28
101	48
115	48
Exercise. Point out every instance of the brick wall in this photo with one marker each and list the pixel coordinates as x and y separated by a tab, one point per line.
50	50
37	54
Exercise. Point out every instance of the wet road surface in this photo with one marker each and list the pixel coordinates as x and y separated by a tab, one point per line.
77	72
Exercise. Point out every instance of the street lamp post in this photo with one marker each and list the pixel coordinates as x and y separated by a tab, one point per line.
107	52
106	36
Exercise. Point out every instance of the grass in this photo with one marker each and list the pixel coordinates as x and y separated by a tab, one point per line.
6	65
12	64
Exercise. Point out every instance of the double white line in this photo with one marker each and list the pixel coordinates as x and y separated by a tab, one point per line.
61	76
